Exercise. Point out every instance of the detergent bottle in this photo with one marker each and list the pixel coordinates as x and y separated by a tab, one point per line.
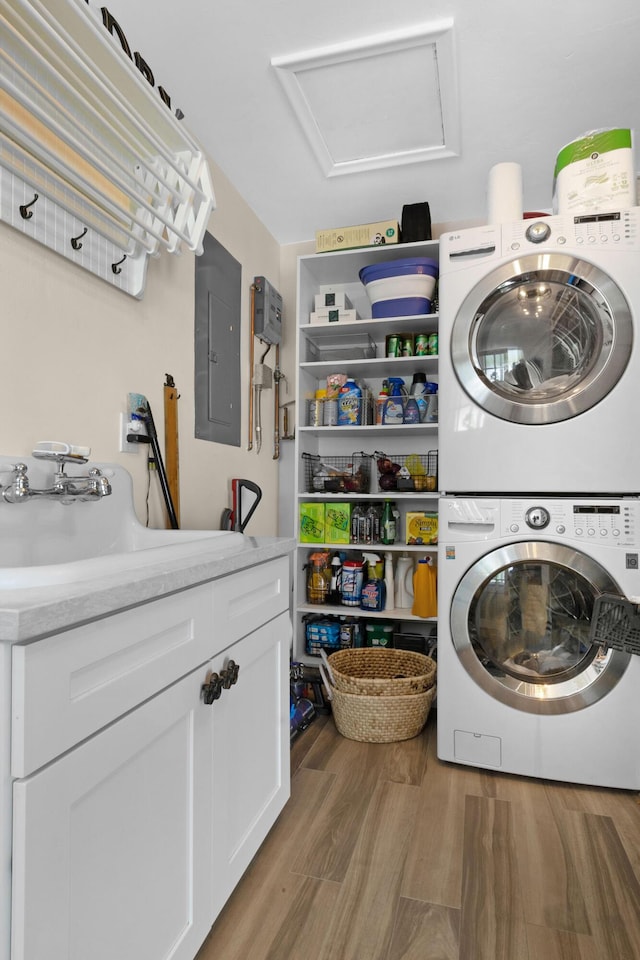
425	602
389	600
393	411
350	405
404	582
418	390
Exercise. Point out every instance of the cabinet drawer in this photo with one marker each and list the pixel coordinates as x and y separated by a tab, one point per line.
67	686
246	600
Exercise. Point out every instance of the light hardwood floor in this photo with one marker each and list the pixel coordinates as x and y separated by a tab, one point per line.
386	853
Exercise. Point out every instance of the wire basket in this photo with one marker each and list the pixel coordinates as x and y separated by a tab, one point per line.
337	474
382	672
615	622
407	472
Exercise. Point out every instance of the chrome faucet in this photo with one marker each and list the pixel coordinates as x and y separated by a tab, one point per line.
66	489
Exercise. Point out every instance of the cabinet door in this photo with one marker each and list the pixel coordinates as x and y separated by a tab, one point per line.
112	842
251	751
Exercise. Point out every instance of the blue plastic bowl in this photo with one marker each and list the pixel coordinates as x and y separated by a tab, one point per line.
400	288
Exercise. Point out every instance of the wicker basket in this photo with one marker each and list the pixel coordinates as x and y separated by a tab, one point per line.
372	672
380	719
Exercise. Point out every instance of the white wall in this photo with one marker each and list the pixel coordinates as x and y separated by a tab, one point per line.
72	348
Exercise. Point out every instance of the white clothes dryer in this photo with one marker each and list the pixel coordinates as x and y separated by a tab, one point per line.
520	687
539	356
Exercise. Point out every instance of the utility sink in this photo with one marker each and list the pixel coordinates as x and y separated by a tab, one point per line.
44	542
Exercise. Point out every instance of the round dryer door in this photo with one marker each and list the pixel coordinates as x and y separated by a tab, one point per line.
542	339
520	624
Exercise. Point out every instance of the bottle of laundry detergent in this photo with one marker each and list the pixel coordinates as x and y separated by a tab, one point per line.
394	405
350	405
404	582
418	390
425	603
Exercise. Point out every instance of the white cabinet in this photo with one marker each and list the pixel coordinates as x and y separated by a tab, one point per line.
357	349
112	842
132	826
250	775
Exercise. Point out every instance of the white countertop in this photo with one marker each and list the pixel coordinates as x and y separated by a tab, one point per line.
32	612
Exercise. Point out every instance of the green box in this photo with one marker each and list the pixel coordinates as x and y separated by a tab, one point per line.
311	522
337	522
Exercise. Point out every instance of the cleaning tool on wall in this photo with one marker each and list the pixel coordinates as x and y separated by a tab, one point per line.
246	497
139	409
171	397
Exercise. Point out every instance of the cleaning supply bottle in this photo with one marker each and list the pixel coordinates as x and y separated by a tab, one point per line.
373	590
335	587
418	389
389	600
381	401
425	602
404	582
411	412
394	406
350	405
352	577
388	523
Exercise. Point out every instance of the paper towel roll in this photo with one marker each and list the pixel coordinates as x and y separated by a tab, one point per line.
505	193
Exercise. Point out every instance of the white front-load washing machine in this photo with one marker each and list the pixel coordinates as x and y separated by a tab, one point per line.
521	688
539	356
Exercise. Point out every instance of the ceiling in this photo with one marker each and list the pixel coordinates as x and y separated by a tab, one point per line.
525	78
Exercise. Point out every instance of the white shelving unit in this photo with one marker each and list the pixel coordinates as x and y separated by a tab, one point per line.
360	351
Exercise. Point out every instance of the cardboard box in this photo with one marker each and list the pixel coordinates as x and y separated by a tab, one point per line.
311	522
421	527
362	235
337	522
332	299
333	315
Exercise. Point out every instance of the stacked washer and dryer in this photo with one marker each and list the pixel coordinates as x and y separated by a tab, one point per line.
539	470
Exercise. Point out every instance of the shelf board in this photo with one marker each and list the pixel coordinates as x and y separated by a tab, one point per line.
375	547
379	495
394	429
378	328
327	609
377	367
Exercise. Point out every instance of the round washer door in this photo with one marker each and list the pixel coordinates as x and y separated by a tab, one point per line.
520	624
542	339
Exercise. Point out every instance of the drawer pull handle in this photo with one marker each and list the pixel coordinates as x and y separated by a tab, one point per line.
212	689
230	674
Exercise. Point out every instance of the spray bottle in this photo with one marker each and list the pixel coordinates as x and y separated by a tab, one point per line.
373	591
394	407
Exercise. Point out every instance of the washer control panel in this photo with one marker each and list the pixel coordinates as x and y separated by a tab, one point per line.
612	522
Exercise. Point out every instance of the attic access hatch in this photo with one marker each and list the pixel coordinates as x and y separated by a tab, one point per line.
378	101
93	163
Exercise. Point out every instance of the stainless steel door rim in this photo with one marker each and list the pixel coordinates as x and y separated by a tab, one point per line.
542	338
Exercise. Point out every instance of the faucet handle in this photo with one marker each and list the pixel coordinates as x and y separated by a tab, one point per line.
18	489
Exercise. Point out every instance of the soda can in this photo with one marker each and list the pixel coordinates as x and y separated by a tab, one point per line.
432	349
407	346
394	348
422	344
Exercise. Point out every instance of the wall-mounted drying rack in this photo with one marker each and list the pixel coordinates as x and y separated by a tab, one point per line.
104	171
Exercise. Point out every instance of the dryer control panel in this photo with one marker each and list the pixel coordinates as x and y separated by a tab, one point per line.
618	229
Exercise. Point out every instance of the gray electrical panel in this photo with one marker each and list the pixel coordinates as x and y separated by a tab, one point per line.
267	312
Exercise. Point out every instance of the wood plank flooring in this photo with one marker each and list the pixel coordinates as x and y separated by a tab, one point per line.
386	853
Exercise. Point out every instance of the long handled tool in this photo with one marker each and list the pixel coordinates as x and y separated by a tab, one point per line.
139	407
243	505
171	448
